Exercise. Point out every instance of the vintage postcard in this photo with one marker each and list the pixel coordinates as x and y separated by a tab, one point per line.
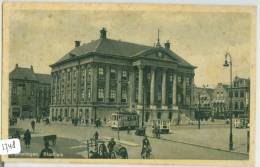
129	83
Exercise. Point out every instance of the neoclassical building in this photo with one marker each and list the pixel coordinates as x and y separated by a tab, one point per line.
104	76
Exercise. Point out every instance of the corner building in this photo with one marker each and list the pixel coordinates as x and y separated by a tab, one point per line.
104	76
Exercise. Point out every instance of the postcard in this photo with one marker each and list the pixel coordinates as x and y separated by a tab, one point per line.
129	83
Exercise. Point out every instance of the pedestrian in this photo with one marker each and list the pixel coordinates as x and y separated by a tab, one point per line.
154	131
27	138
86	121
146	148
158	132
96	135
118	134
128	129
46	151
91	121
33	125
111	145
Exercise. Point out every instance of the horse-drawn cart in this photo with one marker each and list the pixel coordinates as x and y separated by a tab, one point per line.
98	149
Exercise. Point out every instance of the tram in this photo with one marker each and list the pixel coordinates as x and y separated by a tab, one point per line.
124	120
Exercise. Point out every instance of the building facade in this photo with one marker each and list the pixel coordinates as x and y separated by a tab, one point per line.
104	76
240	96
220	102
29	93
203	102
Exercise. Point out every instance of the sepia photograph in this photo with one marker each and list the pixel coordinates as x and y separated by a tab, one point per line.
144	83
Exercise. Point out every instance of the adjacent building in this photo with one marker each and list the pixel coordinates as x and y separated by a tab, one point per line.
203	97
240	96
104	76
29	93
221	100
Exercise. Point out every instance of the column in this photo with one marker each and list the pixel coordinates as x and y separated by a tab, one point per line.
52	88
164	93
60	95
107	84
140	85
65	86
85	83
94	82
152	86
132	89
56	87
119	85
192	90
174	90
70	73
184	89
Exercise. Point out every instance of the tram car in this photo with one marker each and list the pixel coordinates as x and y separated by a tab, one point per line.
124	120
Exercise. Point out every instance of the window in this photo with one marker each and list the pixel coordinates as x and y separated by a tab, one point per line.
124	95
236	105
100	72
124	75
24	91
241	105
187	81
14	91
170	116
112	73
179	79
68	76
89	73
112	95
170	78
75	74
159	115
89	93
242	93
236	93
100	94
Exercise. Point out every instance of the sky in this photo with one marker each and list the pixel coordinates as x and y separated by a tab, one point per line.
40	37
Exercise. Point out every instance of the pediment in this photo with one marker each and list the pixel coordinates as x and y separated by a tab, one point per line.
159	54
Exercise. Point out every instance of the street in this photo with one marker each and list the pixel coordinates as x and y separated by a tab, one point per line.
185	142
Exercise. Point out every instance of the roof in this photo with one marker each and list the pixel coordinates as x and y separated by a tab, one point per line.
21	73
44	78
107	46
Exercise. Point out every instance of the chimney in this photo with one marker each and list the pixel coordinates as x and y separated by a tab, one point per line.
16	66
103	33
167	45
77	44
31	67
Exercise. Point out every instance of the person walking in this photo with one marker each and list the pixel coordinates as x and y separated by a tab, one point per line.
33	125
111	145
146	148
27	138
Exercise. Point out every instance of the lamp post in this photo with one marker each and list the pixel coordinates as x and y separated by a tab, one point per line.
229	64
199	112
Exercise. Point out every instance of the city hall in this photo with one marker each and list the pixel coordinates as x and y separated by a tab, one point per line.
104	76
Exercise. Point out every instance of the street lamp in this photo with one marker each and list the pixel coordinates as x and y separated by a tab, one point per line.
229	64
